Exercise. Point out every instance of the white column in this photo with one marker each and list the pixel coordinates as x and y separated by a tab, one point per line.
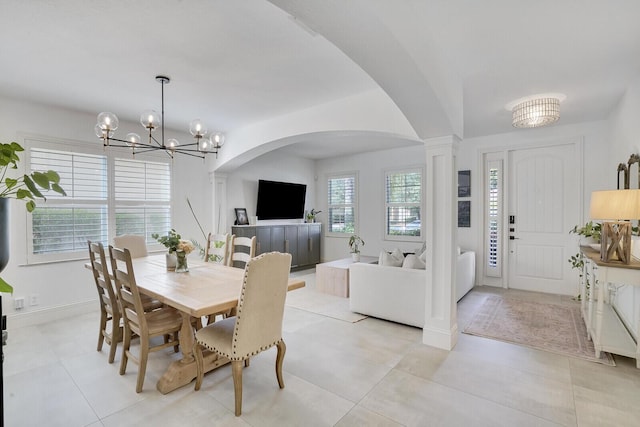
219	202
440	326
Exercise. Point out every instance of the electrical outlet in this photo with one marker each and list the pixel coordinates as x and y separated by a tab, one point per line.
34	299
18	303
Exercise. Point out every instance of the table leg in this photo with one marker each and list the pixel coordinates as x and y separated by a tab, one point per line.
183	371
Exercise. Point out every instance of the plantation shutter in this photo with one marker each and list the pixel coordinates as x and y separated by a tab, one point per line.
64	224
342	204
142	193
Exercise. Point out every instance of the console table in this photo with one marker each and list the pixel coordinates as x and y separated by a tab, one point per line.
301	240
604	326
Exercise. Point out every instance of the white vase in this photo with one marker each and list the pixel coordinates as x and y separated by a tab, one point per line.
355	256
171	261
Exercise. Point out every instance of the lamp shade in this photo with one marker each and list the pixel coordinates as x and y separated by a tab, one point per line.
615	205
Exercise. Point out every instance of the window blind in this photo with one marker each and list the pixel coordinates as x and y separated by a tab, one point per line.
342	204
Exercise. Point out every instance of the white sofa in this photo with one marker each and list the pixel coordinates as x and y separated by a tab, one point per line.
398	294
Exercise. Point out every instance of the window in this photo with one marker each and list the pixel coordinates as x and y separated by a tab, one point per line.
403	204
493	215
142	198
106	196
342	204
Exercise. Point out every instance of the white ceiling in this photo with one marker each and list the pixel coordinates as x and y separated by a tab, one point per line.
233	63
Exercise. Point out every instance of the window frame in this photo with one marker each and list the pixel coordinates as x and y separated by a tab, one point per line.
92	149
355	204
420	205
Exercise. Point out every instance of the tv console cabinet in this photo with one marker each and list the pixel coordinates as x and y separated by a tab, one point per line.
301	240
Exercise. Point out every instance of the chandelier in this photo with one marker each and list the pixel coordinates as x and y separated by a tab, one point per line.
151	120
536	111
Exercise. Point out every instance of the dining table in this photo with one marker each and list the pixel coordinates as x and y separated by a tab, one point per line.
207	288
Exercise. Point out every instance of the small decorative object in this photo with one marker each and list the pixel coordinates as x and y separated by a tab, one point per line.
464	183
464	213
311	215
354	243
178	250
241	216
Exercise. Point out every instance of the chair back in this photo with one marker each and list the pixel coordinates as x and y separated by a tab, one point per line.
242	250
136	244
128	294
100	270
261	305
218	247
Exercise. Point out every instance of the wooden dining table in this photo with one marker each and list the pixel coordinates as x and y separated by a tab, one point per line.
207	288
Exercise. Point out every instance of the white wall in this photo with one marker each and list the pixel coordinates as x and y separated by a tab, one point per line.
69	284
242	184
625	140
370	168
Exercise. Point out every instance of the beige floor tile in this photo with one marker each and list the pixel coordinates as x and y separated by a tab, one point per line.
603	409
45	396
361	417
414	401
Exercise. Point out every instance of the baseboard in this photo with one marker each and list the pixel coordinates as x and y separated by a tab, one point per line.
21	320
440	338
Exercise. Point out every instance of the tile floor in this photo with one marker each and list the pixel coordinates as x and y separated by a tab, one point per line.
337	373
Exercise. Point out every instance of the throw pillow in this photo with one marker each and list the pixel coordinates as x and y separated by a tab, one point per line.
389	259
423	256
412	261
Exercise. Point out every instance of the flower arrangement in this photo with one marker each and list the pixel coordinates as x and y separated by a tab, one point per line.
354	243
185	246
174	242
311	215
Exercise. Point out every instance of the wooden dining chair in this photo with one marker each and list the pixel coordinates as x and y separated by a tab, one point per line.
242	250
109	309
165	321
217	248
135	243
257	325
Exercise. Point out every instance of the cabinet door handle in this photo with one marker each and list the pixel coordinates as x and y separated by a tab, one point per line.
310	244
258	249
286	246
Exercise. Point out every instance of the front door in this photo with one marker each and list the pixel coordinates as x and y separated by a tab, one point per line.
544	204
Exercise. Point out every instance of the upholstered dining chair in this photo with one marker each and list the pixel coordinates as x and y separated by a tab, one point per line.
257	325
136	244
218	247
165	321
109	309
242	250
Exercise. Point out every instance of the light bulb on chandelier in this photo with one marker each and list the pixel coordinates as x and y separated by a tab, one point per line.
152	120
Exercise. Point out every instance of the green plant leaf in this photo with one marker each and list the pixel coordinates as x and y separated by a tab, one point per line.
5	287
23	194
41	179
31	186
52	176
58	189
10	182
31	205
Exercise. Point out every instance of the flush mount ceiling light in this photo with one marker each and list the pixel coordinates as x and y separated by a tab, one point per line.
536	110
151	120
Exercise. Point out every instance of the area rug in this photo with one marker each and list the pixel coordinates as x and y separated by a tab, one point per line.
557	328
309	299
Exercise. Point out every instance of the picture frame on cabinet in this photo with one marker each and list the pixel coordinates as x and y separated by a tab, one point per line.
241	216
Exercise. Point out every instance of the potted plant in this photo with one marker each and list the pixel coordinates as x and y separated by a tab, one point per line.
311	215
27	187
592	230
355	242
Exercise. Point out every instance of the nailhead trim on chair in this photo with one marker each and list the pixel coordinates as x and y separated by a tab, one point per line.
235	339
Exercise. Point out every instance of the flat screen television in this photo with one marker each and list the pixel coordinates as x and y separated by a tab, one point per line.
280	200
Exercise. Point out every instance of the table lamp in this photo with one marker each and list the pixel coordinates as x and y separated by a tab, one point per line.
616	208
